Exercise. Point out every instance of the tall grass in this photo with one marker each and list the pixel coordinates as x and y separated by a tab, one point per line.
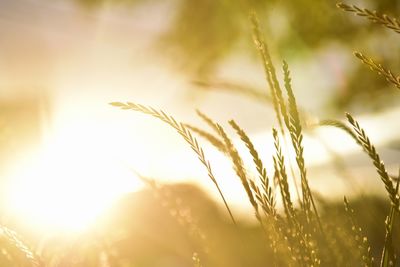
299	236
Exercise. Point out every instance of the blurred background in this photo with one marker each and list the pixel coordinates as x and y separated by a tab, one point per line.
68	159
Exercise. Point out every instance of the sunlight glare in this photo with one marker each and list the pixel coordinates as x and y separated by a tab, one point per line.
69	183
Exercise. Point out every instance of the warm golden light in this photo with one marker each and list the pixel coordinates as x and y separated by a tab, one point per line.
68	183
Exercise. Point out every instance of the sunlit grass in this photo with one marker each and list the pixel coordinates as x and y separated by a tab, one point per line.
87	168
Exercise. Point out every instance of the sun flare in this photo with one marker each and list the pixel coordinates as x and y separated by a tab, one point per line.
68	183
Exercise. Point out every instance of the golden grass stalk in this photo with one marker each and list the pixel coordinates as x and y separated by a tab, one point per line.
295	130
273	83
360	238
388	255
300	241
237	161
208	120
279	163
378	163
212	139
267	196
381	70
187	136
238	165
288	229
374	16
269	69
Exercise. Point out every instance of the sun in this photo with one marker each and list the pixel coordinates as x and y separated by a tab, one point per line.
69	182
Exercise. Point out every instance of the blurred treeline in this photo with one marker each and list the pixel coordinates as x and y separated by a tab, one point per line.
205	32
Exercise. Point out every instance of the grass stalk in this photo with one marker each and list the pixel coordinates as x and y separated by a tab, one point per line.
381	70
383	19
187	136
366	144
388	255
